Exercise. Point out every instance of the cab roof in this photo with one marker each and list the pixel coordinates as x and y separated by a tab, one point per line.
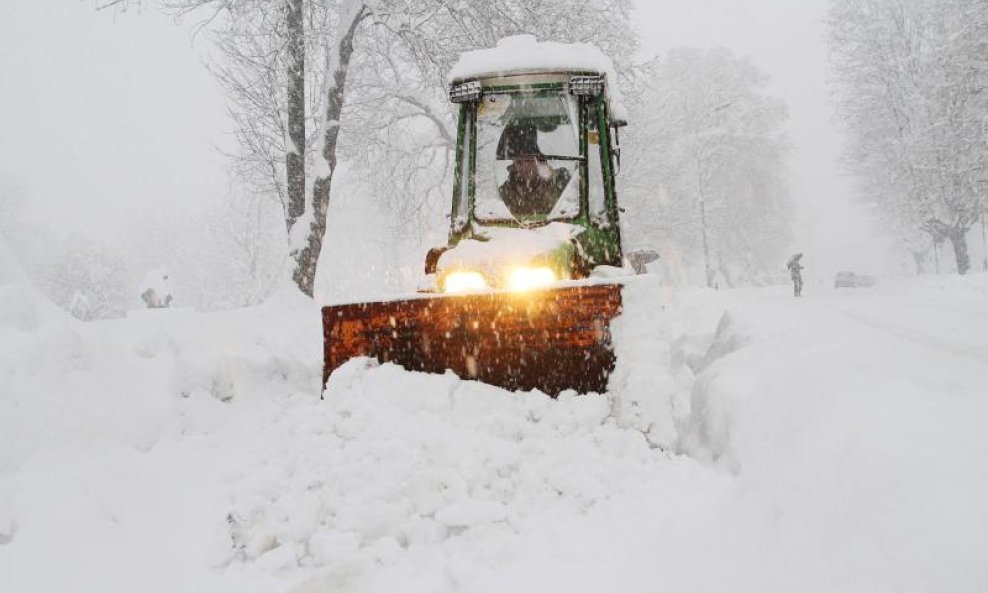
523	54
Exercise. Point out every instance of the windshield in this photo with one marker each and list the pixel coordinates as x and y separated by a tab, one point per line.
528	154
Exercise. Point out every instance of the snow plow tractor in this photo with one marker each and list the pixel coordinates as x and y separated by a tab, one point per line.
515	301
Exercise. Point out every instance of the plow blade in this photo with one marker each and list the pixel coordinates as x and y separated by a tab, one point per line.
550	340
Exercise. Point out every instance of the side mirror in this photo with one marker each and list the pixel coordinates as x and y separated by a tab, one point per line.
640	257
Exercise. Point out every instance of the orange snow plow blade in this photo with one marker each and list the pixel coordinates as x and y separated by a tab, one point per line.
550	340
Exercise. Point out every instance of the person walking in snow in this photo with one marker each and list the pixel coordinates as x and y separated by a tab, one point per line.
796	273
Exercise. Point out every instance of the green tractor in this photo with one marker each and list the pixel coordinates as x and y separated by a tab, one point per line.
516	300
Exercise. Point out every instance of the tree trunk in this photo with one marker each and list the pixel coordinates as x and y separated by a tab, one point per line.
308	257
958	238
957	234
295	150
919	258
725	272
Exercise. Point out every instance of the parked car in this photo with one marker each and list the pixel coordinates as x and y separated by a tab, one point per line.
852	280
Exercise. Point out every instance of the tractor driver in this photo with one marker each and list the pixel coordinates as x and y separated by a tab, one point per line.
533	187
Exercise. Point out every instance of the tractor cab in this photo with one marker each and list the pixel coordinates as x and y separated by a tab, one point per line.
537	145
533	208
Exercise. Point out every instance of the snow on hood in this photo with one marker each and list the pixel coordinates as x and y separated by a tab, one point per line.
508	246
523	53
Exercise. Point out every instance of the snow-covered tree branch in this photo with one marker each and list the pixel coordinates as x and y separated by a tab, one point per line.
911	80
706	167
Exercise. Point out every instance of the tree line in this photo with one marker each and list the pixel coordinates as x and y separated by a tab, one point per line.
319	86
910	83
313	81
707	169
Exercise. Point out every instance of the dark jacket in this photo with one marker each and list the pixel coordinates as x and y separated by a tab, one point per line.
535	196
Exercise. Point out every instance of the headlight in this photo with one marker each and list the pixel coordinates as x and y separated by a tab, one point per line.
464	282
521	279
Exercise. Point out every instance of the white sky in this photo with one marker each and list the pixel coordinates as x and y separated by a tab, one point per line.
104	116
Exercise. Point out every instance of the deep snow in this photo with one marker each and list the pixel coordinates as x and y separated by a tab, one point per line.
750	442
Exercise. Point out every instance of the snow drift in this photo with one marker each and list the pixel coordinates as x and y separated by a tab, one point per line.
749	442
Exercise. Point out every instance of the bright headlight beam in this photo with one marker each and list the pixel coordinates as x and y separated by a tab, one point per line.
464	282
522	279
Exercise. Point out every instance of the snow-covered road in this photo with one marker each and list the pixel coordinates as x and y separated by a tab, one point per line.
957	326
853	421
750	442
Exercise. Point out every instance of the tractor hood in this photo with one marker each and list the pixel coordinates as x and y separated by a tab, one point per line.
497	252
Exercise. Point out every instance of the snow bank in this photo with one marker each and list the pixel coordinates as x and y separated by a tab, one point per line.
66	381
98	421
429	473
853	424
845	428
829	443
657	340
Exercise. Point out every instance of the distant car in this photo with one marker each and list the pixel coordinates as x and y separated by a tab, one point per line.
852	280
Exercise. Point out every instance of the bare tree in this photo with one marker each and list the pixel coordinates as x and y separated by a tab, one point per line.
412	45
707	163
910	86
88	280
397	51
295	153
351	14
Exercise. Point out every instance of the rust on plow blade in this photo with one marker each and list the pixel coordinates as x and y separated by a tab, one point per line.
549	340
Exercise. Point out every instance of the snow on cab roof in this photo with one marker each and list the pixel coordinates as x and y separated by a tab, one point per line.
524	54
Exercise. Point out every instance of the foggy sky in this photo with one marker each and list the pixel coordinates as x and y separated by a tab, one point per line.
105	117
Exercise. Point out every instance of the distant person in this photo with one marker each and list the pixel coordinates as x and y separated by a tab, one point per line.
796	273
